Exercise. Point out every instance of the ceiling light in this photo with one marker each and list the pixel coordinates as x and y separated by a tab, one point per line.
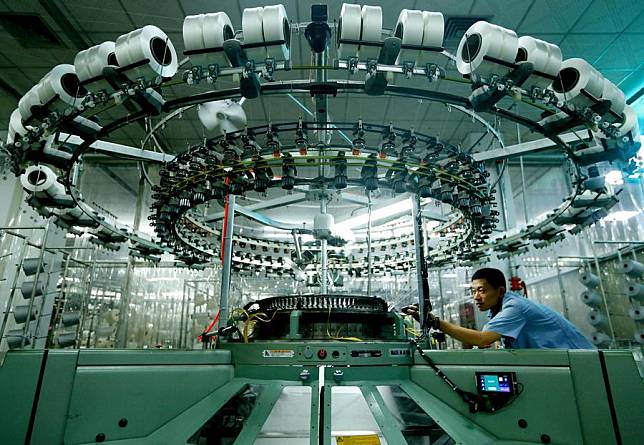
621	216
614	177
382	213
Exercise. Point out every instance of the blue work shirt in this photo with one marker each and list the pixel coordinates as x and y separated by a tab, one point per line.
523	323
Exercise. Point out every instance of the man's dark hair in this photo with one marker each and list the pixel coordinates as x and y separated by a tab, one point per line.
493	276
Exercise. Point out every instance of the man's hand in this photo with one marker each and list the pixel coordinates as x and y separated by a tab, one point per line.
412	310
432	321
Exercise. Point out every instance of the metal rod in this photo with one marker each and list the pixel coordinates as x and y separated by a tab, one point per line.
93	315
36	281
424	305
5	318
601	286
85	302
321	109
440	291
369	256
183	308
562	290
637	243
60	306
43	300
323	255
124	317
523	188
23	228
228	256
523	185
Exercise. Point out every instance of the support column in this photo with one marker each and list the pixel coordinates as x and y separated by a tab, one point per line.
228	256
321	106
369	256
424	305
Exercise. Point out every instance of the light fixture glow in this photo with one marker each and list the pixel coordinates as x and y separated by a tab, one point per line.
621	216
378	214
614	177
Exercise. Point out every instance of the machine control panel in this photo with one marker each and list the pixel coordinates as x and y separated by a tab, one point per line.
362	353
323	353
496	383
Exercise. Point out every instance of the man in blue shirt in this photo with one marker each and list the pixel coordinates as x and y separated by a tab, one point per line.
517	321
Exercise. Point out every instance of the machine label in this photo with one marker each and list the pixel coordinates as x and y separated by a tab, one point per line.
399	352
371	439
365	353
278	353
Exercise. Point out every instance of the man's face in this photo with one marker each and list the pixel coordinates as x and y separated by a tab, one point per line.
485	296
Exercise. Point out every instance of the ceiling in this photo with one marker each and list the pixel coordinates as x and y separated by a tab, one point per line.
607	33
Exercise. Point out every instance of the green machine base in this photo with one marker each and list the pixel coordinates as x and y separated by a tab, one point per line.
315	393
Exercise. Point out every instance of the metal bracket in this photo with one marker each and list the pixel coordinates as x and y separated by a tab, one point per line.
249	82
353	65
434	72
408	69
485	96
375	83
268	69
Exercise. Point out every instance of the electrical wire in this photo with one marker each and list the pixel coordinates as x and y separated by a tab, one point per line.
328	323
251	320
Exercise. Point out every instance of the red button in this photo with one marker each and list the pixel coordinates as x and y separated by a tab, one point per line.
322	354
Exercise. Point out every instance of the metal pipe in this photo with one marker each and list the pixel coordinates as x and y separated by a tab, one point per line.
369	256
323	255
85	303
562	290
424	305
321	108
25	329
228	256
93	315
5	318
440	291
523	187
304	108
60	306
637	243
42	305
183	308
23	228
124	307
601	286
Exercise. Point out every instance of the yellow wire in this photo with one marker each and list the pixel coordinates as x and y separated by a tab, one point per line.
328	319
254	318
347	338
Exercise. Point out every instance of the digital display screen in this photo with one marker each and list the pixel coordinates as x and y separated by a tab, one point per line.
495	382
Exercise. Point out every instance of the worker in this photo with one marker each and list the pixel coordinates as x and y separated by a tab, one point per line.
517	321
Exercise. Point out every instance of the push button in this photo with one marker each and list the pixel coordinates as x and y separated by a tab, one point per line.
322	354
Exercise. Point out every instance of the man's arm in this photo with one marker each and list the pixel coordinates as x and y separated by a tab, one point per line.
465	335
471	336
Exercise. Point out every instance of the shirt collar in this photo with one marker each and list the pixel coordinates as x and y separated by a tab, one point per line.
506	296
